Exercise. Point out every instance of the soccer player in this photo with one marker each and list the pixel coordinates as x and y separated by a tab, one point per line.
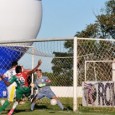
21	89
42	84
11	89
25	75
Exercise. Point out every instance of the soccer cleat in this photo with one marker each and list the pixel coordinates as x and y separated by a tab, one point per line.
11	112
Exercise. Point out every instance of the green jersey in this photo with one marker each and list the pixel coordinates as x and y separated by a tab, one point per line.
17	80
21	89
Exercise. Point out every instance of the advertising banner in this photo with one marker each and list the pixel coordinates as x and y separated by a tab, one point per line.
99	94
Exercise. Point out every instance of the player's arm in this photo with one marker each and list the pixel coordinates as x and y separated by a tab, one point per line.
46	83
6	82
13	79
48	80
34	69
5	75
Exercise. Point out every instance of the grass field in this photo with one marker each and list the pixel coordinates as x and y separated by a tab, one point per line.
52	112
47	109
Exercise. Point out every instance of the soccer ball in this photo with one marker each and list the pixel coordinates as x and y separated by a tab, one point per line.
2	102
53	101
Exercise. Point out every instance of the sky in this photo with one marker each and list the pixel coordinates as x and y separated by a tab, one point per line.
63	18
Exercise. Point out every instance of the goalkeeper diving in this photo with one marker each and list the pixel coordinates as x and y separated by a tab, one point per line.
42	83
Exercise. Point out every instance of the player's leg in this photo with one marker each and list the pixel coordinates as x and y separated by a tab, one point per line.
37	97
4	106
11	95
11	92
13	108
50	94
19	95
32	96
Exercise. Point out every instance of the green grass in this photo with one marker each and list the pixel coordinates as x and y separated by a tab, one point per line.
54	112
44	108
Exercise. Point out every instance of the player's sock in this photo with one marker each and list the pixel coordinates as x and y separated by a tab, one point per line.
13	108
4	106
11	112
32	106
60	104
15	105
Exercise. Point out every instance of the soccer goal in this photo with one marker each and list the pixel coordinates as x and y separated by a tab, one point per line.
73	65
99	81
95	71
57	63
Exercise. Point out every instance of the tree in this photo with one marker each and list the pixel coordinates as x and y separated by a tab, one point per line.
62	68
103	27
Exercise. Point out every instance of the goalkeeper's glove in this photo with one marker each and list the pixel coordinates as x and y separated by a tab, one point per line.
32	85
41	85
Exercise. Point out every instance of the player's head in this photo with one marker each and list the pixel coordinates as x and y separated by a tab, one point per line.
14	63
18	69
39	72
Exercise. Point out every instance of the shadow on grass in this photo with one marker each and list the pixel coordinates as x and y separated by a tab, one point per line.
39	107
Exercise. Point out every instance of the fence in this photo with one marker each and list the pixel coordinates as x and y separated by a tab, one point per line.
95	71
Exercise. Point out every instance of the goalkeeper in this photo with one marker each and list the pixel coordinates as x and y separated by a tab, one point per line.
42	84
21	89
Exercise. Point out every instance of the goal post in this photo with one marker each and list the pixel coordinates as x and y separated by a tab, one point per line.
96	72
70	62
94	65
75	76
57	63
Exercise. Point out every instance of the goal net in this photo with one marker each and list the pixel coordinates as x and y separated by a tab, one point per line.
98	90
77	67
95	71
57	63
10	53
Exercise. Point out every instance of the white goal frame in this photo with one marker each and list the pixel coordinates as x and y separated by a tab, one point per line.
75	76
95	61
